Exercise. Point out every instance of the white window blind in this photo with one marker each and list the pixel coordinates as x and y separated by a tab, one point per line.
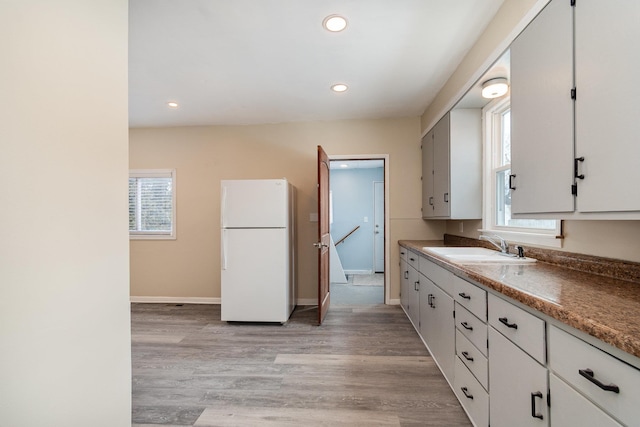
152	203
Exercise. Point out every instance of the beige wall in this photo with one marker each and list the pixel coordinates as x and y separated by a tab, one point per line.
202	156
64	253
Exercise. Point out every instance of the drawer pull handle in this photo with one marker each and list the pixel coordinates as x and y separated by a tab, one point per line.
430	299
466	326
416	286
589	375
466	393
412	259
466	356
506	323
535	414
465	296
406	274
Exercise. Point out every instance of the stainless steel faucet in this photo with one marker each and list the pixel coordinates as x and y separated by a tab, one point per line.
493	239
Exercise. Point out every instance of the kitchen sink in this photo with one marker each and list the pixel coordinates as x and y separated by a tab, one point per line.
467	255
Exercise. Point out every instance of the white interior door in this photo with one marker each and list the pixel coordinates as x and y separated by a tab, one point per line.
378	227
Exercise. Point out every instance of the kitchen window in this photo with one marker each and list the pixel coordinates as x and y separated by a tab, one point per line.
497	195
152	204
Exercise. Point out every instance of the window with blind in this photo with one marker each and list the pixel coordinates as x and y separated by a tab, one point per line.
152	204
497	204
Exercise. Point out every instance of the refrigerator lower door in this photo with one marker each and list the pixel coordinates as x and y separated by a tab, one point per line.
255	275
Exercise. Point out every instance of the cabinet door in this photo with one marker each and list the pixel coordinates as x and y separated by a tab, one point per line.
570	408
607	107
542	113
441	167
517	386
427	175
413	302
437	325
404	284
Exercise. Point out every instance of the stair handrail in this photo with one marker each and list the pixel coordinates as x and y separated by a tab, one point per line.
347	235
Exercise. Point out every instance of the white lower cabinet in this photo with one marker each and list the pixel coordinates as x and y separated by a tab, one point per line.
517	384
471	394
493	352
436	324
569	408
413	297
608	382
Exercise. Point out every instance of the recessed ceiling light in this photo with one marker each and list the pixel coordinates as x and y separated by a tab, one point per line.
172	104
340	87
334	23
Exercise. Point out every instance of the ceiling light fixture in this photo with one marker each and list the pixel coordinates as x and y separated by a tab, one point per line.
344	165
340	87
334	23
495	88
172	104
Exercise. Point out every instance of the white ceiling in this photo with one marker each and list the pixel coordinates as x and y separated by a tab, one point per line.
270	61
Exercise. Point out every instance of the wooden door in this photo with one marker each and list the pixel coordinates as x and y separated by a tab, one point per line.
323	235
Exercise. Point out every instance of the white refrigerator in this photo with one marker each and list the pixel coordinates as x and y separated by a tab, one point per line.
258	277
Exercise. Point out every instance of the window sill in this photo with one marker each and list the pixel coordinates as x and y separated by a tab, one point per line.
537	239
152	237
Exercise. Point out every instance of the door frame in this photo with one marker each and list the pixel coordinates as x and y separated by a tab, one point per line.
385	158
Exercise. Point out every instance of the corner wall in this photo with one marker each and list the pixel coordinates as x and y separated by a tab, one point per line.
64	268
190	265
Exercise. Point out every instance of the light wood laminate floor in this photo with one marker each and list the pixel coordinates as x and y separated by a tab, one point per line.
366	366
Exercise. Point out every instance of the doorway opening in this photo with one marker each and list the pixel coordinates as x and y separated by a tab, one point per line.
358	227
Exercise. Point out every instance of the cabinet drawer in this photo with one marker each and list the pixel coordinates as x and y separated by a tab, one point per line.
568	407
437	274
475	361
471	327
403	253
471	394
522	328
572	359
471	297
413	260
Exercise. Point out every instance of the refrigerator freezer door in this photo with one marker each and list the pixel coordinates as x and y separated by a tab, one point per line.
255	275
254	203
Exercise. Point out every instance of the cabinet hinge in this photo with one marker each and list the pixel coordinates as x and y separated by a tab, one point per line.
549	398
574	189
454	314
573	3
573	93
487	343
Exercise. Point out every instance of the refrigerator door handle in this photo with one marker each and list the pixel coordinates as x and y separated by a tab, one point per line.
223	209
224	250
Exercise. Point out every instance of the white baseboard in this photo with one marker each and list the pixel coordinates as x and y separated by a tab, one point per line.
307	301
175	300
358	272
394	301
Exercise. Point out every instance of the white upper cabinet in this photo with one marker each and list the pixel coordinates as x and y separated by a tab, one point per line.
591	47
607	52
542	113
452	167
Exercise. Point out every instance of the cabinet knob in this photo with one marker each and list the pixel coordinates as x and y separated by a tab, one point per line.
590	376
534	413
506	323
466	393
464	296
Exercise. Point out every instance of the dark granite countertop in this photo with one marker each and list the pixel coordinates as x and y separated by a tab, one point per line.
603	307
